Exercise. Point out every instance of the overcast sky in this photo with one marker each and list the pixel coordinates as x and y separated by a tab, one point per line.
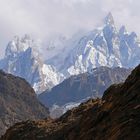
44	18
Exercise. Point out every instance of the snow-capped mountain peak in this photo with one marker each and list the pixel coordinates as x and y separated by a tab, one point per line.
17	46
123	30
23	59
104	46
109	20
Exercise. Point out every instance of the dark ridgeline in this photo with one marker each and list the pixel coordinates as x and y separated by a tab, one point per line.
18	102
83	86
116	116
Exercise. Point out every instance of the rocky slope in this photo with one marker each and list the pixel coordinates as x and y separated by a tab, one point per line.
84	86
23	59
104	46
18	102
114	117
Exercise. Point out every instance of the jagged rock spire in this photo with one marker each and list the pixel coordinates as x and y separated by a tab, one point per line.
123	29
109	19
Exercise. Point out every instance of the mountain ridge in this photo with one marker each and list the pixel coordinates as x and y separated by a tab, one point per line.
83	86
115	116
105	46
24	60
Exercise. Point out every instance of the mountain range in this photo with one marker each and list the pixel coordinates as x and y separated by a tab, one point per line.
62	97
104	46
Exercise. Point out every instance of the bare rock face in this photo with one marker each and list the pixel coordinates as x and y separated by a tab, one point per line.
114	117
18	102
84	86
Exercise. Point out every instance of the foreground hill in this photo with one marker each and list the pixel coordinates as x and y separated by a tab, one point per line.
83	86
18	102
114	117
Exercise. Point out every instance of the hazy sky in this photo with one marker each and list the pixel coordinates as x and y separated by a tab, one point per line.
44	18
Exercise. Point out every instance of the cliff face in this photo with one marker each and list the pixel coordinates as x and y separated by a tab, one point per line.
18	102
83	86
114	117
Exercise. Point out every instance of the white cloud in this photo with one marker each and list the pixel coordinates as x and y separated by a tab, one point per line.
43	18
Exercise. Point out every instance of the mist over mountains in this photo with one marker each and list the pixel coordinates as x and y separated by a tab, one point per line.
104	46
53	82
